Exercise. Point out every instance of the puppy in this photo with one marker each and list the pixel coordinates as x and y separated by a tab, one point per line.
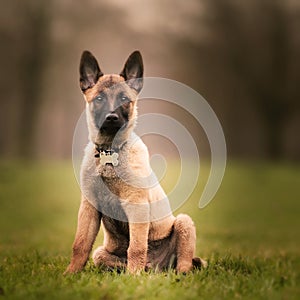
118	187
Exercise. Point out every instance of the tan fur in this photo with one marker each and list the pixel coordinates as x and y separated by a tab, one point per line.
153	237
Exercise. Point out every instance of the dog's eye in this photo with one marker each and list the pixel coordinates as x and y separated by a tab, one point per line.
124	99
99	99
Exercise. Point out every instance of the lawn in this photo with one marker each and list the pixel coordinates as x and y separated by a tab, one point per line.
249	234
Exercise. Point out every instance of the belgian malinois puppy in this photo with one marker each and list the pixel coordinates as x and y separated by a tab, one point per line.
140	231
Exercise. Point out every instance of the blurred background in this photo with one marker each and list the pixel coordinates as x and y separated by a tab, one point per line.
241	56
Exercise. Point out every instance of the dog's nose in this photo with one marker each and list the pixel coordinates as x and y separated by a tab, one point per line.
112	117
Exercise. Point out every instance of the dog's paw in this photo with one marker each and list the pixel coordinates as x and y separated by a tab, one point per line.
184	267
135	269
71	269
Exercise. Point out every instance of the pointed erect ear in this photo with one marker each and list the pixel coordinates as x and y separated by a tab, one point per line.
89	71
133	71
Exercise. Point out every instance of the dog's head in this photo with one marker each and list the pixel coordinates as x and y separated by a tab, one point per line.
110	99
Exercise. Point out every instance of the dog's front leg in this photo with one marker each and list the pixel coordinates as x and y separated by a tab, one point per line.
87	229
138	247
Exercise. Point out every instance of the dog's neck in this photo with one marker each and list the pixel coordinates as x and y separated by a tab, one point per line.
104	143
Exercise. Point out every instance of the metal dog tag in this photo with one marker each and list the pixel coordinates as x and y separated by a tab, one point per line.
108	158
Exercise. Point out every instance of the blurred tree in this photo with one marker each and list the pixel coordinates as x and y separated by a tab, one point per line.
33	59
25	33
255	41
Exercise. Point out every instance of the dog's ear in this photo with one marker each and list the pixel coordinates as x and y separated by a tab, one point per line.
133	71
89	71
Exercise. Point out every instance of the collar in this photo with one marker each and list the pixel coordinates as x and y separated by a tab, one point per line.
101	151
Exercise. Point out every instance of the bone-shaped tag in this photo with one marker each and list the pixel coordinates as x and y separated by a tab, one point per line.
107	158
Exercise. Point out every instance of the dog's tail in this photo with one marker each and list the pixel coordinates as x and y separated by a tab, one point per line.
199	263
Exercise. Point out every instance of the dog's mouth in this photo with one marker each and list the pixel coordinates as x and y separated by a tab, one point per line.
108	128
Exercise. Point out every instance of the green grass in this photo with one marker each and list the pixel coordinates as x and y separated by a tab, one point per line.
249	234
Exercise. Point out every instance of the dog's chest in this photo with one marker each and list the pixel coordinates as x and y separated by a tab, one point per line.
115	227
112	177
107	172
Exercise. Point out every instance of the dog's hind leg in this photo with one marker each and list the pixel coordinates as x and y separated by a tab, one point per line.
185	233
102	257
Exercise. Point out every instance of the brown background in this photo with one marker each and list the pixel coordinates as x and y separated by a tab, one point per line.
242	56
